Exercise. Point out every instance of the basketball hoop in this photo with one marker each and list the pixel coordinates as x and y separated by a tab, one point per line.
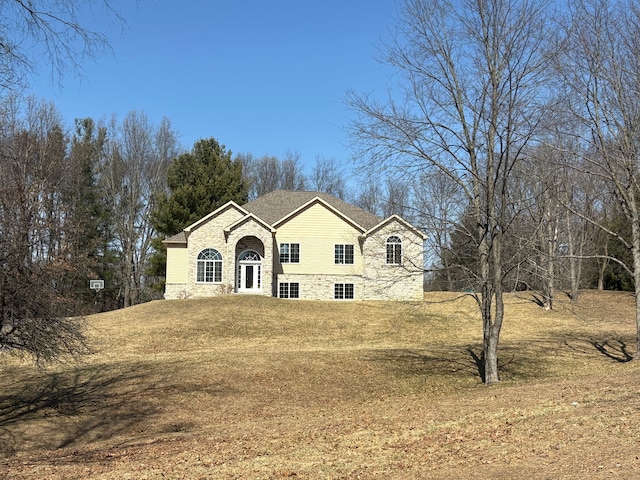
96	285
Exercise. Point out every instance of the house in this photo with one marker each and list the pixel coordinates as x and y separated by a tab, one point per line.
294	244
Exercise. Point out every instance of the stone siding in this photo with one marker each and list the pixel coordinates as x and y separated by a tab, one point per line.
255	236
173	291
321	287
245	235
394	282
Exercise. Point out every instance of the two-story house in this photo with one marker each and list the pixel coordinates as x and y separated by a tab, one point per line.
294	244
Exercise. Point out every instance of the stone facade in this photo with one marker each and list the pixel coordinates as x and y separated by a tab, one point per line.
394	282
252	235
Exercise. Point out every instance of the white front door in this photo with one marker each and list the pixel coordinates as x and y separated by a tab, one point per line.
249	272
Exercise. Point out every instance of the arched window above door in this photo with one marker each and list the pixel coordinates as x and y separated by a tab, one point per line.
250	256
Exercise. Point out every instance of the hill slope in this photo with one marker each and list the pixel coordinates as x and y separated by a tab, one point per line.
252	387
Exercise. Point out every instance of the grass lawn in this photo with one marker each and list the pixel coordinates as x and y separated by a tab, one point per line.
242	387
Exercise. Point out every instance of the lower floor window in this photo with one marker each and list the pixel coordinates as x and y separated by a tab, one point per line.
289	290
209	266
343	291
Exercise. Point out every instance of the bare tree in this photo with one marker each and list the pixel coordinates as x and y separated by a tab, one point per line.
40	31
291	174
467	108
134	172
328	176
369	196
35	315
439	207
385	197
34	250
600	76
269	173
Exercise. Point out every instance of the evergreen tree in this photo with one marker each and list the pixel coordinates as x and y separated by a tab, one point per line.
199	182
88	217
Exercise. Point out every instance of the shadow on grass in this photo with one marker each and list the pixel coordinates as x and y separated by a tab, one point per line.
518	360
612	347
76	407
88	403
459	362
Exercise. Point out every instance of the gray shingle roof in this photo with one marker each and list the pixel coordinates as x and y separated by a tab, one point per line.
278	204
178	238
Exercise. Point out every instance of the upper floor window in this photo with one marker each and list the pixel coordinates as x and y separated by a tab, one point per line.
394	250
209	266
289	253
344	254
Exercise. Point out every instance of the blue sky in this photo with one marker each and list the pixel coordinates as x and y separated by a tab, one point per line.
262	77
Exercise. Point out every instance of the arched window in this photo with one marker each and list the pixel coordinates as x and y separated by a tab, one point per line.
394	250
209	266
250	256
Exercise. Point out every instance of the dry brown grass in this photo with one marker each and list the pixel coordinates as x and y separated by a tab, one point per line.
259	388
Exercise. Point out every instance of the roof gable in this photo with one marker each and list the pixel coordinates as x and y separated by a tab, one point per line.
277	206
399	219
215	213
247	218
318	201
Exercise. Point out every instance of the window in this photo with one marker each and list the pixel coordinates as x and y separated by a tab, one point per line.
209	266
344	254
289	290
289	253
394	250
343	291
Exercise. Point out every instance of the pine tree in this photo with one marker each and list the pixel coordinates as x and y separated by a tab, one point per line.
199	182
88	220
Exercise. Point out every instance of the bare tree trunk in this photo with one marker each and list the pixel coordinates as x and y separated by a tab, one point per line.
492	313
492	309
573	273
551	240
635	240
602	267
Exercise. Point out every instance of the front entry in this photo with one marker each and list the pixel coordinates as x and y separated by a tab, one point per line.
249	272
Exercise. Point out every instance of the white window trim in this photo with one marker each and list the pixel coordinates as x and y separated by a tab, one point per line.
288	260
288	284
344	291
344	253
204	262
393	245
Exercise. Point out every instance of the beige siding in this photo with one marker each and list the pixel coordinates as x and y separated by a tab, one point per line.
318	230
177	265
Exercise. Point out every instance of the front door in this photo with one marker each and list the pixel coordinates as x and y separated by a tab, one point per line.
249	272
